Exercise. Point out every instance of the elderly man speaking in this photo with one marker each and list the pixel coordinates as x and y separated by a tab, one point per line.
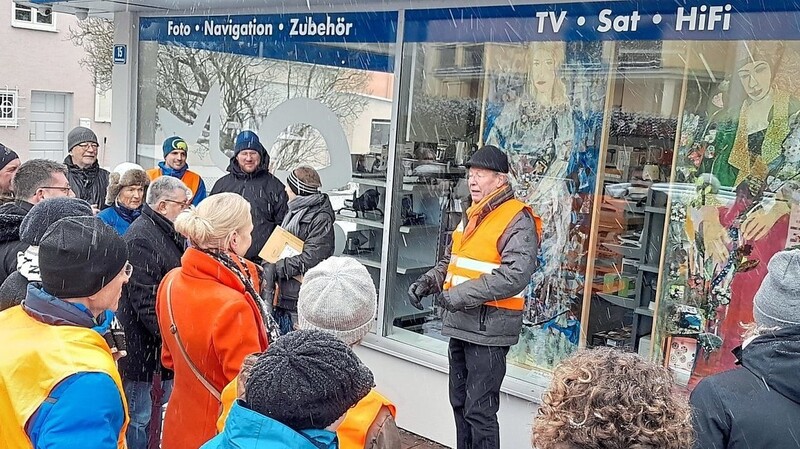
480	283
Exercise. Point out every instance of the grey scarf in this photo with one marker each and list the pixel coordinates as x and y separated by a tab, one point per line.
298	208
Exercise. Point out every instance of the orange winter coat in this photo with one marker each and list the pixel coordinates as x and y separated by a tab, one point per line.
219	324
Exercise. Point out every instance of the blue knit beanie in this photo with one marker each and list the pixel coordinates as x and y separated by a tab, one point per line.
248	140
174	143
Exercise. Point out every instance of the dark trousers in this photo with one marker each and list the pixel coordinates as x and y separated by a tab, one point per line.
476	373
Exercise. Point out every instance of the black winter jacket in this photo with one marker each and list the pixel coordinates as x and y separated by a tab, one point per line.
154	249
267	197
11	215
756	406
89	184
316	232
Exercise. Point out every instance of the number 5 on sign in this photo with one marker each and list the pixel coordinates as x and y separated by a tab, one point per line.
120	54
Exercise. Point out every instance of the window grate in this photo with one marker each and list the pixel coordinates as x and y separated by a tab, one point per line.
9	107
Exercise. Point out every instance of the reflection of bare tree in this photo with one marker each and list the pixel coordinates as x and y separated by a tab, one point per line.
185	76
334	87
251	88
96	36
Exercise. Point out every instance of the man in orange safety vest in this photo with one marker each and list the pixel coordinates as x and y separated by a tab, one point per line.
480	284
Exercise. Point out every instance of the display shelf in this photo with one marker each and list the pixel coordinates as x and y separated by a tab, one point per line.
656	210
621	301
361	221
625	250
643	311
649	268
375	182
405	265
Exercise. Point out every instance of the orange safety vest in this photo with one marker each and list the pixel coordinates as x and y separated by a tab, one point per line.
478	255
40	357
190	178
352	432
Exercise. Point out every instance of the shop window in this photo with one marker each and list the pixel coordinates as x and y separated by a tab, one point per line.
28	17
311	103
9	108
542	103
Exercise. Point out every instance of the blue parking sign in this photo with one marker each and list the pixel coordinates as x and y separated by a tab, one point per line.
120	54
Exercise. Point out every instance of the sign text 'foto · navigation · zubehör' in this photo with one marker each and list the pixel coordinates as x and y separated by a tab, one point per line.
292	26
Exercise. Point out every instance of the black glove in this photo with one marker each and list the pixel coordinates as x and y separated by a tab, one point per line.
268	282
420	289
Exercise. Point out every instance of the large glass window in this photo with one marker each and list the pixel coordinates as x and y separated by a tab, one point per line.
542	104
735	198
319	98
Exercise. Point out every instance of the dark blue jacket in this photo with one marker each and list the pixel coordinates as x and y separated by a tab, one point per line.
112	218
755	406
246	429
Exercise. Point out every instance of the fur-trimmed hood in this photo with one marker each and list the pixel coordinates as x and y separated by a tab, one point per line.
125	175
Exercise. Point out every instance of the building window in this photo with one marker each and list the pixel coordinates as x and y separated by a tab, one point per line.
27	17
8	107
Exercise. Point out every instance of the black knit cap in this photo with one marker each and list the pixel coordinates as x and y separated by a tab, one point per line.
44	213
307	379
489	157
78	256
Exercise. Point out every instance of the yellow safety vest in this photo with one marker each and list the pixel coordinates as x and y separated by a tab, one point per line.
477	255
352	432
39	358
190	178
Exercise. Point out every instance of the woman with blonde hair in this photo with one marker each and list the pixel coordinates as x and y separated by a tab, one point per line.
210	316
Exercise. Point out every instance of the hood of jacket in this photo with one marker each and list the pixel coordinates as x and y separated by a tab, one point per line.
325	207
775	358
247	429
236	170
11	215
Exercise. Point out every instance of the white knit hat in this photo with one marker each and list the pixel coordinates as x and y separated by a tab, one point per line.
338	296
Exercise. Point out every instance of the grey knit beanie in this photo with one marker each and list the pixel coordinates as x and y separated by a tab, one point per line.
79	135
47	212
777	301
338	296
307	379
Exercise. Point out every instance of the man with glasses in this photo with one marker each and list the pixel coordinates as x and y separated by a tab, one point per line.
34	181
88	180
59	385
155	249
174	164
480	283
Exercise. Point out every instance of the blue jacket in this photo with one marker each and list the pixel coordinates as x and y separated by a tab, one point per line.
246	429
111	217
85	409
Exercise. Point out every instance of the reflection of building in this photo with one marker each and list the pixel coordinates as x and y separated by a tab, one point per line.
631	137
44	91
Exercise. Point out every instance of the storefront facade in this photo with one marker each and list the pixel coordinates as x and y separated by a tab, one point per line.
658	142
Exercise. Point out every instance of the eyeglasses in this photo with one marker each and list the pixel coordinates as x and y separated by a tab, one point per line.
65	190
128	269
183	204
86	145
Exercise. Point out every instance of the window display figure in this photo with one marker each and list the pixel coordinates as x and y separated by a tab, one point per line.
537	131
738	239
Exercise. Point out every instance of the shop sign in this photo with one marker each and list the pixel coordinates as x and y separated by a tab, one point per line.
329	28
597	21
